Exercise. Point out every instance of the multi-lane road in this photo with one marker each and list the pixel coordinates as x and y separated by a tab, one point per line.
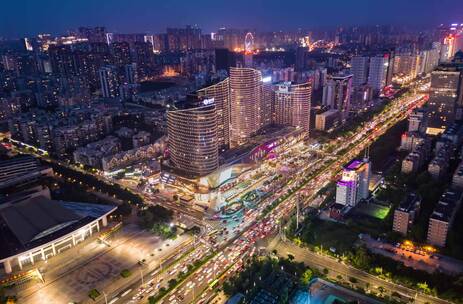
199	286
226	248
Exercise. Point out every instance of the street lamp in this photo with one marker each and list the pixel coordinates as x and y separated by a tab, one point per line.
105	297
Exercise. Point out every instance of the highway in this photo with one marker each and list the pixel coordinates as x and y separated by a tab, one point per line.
227	248
258	227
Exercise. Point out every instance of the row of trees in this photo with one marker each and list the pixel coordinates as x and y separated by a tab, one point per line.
92	181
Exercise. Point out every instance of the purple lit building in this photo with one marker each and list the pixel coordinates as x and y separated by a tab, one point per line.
353	185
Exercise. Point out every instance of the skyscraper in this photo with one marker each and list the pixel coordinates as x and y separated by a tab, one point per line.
121	53
378	72
267	102
292	105
93	34
193	143
359	70
446	86
219	94
130	73
245	102
109	81
337	94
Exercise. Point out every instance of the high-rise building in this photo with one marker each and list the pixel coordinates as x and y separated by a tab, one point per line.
121	53
245	103
93	34
109	81
267	106
337	94
378	72
130	73
187	38
418	120
143	57
446	87
292	105
407	65
219	94
193	142
359	70
354	184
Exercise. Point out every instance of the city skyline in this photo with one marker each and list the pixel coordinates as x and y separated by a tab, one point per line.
259	151
146	17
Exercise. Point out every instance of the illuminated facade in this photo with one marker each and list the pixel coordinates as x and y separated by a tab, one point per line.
359	70
193	144
292	105
109	81
220	93
245	104
337	94
354	183
378	72
407	66
208	190
43	228
446	85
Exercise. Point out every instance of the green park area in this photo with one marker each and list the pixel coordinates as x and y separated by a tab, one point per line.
376	211
269	278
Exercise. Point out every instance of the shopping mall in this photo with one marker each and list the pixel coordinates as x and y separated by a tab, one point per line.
237	163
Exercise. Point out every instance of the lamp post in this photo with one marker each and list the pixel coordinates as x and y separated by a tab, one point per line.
105	297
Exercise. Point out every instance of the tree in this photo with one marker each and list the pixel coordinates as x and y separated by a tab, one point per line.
353	280
424	287
361	259
306	277
297	241
124	209
172	283
381	290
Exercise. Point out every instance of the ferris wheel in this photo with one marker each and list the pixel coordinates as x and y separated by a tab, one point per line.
249	42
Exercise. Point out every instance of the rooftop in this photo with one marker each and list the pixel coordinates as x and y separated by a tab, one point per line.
447	206
354	165
31	223
409	202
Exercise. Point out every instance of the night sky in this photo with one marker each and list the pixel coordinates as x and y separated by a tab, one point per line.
28	17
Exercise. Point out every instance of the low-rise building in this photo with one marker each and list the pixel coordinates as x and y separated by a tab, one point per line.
327	120
141	139
93	153
410	140
21	171
415	159
457	179
454	134
442	218
439	166
38	228
405	214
